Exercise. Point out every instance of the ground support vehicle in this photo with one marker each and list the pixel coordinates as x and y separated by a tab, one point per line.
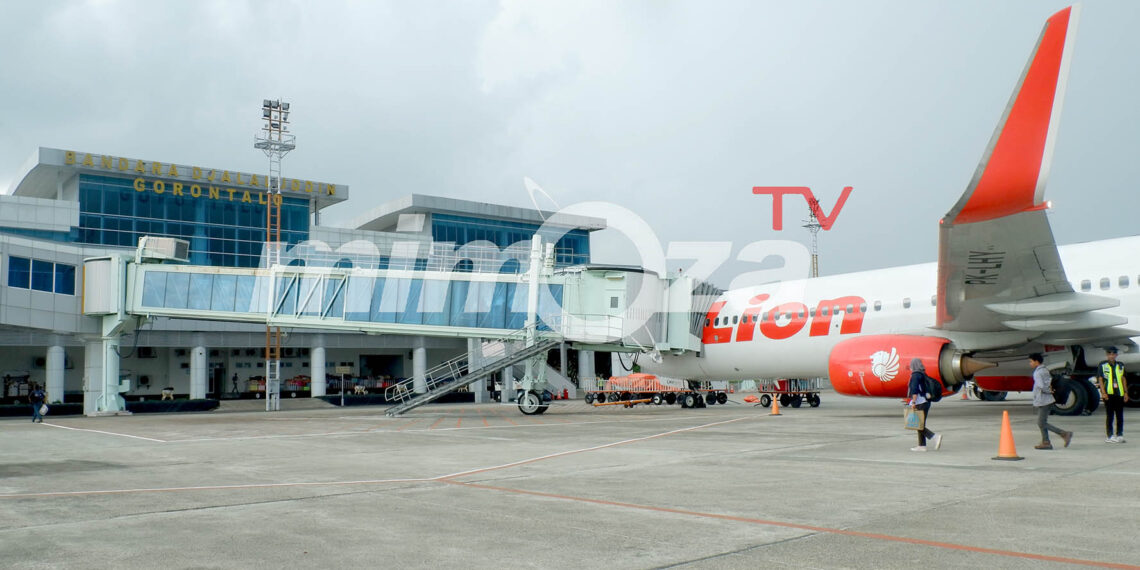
791	392
640	388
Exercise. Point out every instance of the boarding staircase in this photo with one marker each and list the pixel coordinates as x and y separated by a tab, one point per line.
457	372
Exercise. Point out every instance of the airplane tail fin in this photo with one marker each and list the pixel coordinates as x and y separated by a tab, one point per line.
1011	175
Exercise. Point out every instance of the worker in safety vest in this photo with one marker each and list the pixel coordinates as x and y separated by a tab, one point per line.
1114	391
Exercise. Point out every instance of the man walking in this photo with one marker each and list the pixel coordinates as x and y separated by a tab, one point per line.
36	398
1114	392
1043	401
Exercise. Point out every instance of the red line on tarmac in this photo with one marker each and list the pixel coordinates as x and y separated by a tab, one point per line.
432	426
408	425
819	529
484	418
459	422
512	422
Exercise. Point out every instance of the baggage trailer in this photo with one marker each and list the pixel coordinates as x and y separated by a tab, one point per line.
637	388
791	392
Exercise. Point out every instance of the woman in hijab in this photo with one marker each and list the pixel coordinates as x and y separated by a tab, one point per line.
920	400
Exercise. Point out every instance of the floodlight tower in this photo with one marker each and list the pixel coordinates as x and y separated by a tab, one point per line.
813	226
275	141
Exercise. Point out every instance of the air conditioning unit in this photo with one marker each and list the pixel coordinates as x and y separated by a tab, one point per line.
154	248
180	352
214	353
147	352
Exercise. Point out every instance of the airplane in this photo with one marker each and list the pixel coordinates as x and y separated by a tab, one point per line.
1000	290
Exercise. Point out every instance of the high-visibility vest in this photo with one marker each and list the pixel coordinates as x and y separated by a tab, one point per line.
1113	377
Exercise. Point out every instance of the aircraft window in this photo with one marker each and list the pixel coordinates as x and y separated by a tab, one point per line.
1123	282
736	319
934	300
850	309
906	302
835	309
764	316
716	322
878	305
823	310
801	314
862	307
1105	282
1086	285
707	323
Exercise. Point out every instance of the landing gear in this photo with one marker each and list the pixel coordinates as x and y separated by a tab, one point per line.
530	403
987	395
1071	398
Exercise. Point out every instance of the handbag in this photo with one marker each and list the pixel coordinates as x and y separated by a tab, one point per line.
914	419
43	410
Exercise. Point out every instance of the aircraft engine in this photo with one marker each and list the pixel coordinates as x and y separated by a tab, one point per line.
878	365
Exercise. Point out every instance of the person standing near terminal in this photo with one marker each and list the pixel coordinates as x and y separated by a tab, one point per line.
920	400
1114	392
36	398
1043	401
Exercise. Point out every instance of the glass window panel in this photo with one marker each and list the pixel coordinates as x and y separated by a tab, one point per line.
200	289
177	290
310	296
154	288
379	310
19	272
458	295
64	279
434	302
550	305
43	274
225	287
286	295
335	290
358	298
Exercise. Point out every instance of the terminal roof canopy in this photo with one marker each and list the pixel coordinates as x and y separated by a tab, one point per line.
386	217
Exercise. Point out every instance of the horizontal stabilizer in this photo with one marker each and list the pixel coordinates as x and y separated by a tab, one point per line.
1074	322
1055	304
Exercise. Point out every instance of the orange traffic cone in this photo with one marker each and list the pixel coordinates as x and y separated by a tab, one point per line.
966	391
1006	450
775	407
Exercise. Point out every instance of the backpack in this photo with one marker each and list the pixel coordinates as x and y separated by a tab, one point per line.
934	388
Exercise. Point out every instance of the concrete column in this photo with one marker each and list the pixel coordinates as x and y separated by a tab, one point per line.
111	400
92	375
54	382
586	378
618	366
419	366
198	370
562	360
317	372
474	362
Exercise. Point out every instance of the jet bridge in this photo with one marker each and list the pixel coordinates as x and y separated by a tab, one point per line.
595	307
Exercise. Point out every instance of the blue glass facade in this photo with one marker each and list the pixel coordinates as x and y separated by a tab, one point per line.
222	230
40	275
402	300
573	248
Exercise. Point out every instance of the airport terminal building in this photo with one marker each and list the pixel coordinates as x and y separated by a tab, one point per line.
66	206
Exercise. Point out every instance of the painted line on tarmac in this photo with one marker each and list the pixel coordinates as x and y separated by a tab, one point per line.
818	529
108	433
210	488
582	450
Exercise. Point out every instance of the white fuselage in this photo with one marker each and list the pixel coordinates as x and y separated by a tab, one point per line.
896	300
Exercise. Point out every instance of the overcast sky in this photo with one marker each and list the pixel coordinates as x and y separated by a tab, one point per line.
672	109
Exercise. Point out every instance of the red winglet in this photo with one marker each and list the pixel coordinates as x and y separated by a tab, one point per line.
1011	176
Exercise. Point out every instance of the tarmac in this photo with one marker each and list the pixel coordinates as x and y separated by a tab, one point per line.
483	486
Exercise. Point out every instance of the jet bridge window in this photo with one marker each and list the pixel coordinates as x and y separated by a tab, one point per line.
1086	285
1123	282
1105	283
613	302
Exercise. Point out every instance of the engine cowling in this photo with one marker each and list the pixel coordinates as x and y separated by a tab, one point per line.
878	365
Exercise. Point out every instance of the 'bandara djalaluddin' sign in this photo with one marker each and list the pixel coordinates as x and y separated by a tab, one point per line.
196	181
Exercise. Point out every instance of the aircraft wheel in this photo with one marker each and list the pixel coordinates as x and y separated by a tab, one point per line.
1133	391
721	398
797	400
670	398
785	400
978	393
530	402
658	400
1092	396
765	401
813	400
689	400
589	397
710	398
1071	399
